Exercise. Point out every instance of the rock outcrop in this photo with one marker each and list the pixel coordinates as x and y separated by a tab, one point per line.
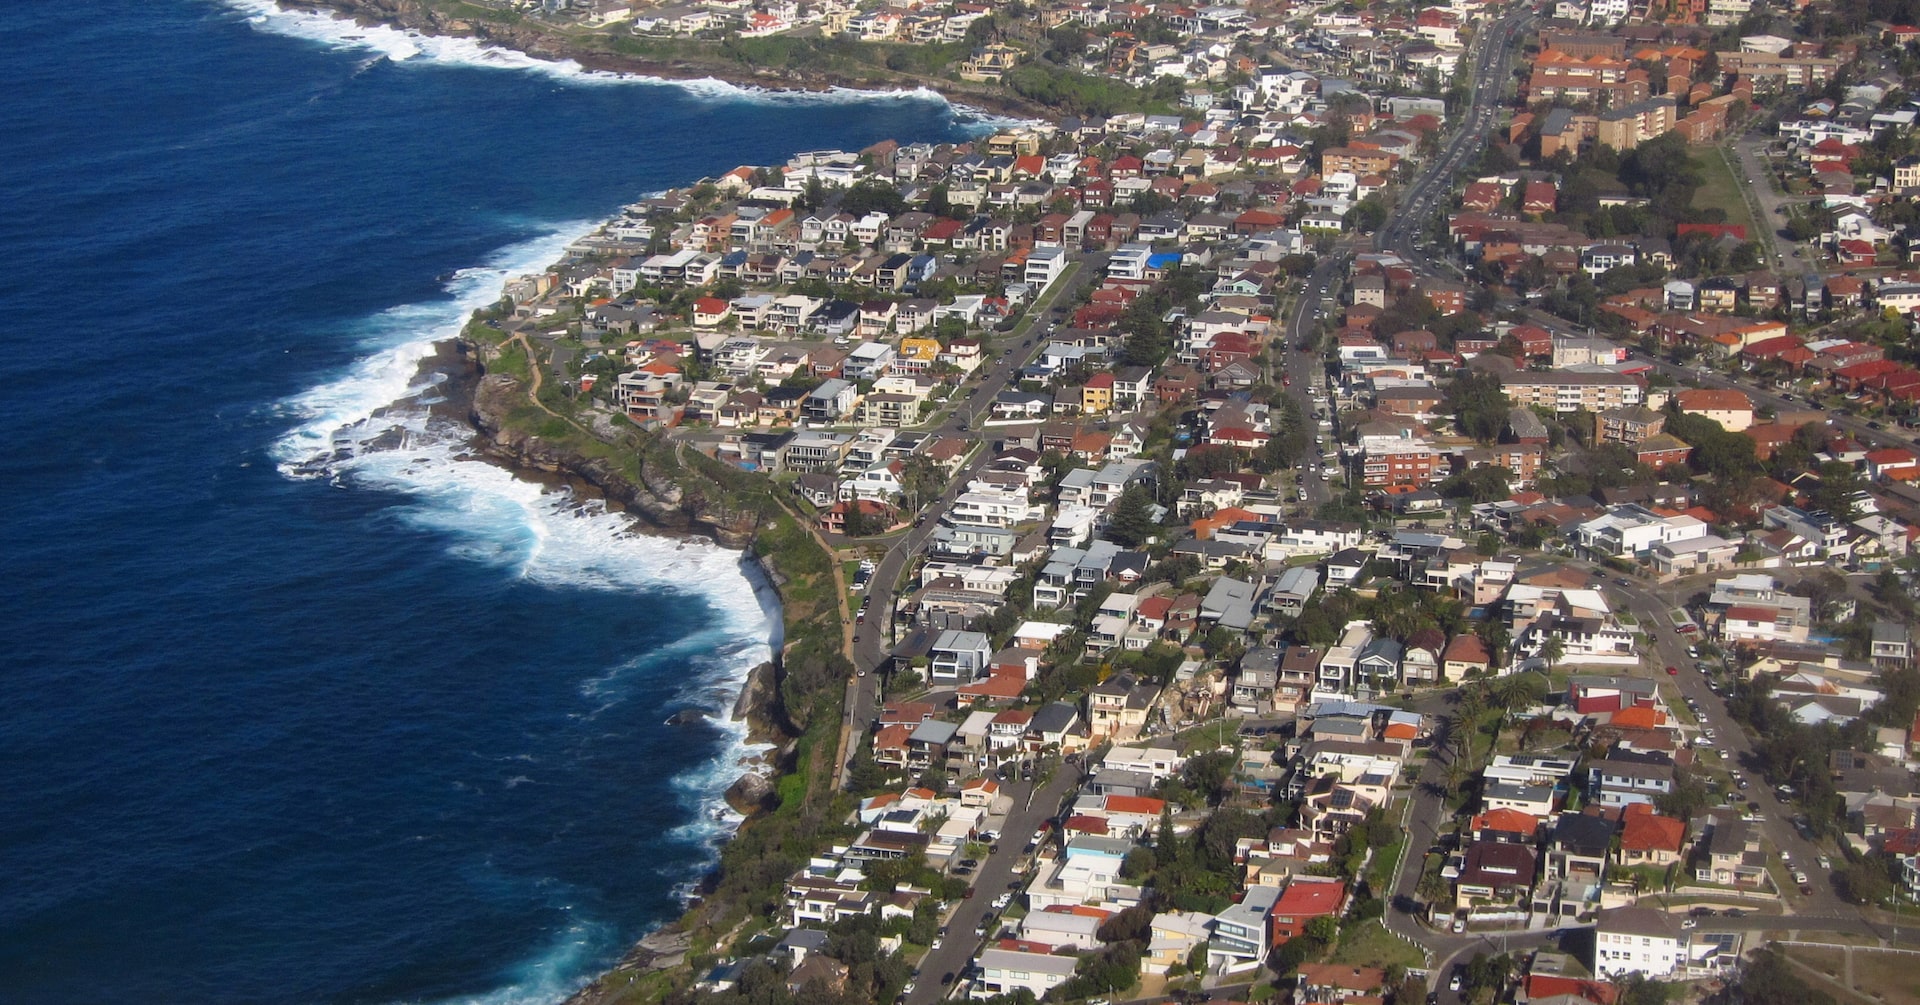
662	499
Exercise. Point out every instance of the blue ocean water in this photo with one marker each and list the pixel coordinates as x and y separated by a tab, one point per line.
394	734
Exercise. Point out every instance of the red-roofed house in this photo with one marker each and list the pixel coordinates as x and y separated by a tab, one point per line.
710	312
1504	824
1893	464
1481	197
1548	985
1135	815
1647	838
1540	197
1785	349
1304	899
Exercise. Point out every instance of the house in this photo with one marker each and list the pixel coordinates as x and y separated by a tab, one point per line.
1497	872
1579	846
1619	781
1647	838
1593	694
1006	971
1333	983
1732	409
1466	654
1117	707
1174	936
1304	899
1629	940
1242	934
959	657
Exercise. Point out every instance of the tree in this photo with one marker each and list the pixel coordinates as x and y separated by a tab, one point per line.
1478	405
1368	214
1770	980
1486	483
1638	989
1867	880
1133	524
1552	650
1323	928
1689	795
1839	482
1489	972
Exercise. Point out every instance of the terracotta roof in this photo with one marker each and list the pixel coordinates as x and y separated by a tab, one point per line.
1646	830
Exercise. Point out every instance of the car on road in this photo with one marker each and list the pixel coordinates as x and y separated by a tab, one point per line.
1673	671
1826	863
1621	582
1875	426
1454	982
907	989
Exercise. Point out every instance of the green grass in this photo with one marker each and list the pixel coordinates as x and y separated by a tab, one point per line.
1371	945
1721	189
1386	861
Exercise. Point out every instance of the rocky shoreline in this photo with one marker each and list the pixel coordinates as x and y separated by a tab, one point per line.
542	42
471	396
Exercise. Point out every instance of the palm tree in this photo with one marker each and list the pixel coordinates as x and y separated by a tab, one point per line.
1517	689
1552	650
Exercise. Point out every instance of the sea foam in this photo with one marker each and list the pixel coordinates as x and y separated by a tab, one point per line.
403	45
369	428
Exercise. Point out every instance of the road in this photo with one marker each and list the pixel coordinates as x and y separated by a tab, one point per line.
1304	369
1765	203
995	876
1668	647
1490	58
872	641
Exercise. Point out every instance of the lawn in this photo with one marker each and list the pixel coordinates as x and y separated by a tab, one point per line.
1720	188
1371	945
1877	976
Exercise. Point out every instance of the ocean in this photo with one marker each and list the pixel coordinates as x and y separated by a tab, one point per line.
388	730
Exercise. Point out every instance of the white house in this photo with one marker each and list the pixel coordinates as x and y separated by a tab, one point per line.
1004	971
1640	940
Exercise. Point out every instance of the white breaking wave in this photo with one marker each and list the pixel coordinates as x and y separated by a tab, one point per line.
401	45
369	428
553	975
397	340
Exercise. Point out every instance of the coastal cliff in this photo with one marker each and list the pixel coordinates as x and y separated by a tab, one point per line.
792	702
664	500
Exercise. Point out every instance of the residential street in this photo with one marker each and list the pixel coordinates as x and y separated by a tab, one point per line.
943	966
873	640
1732	744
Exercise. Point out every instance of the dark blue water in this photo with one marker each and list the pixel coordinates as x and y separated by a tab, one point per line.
394	734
